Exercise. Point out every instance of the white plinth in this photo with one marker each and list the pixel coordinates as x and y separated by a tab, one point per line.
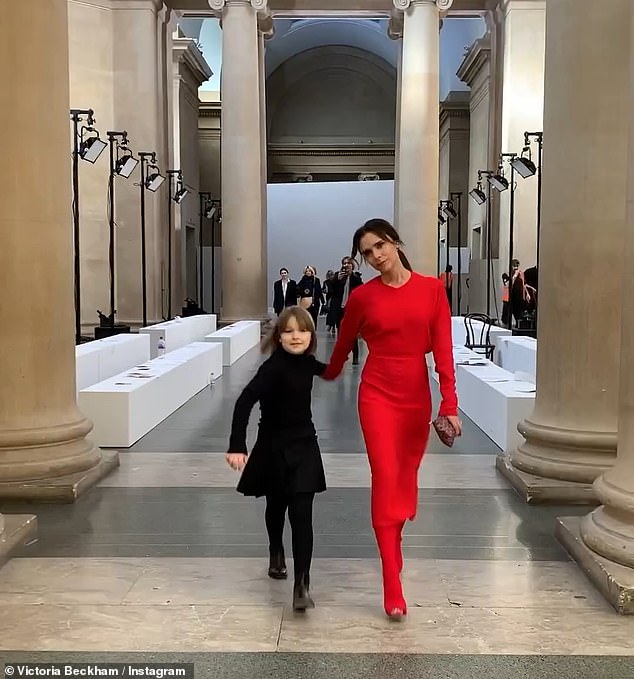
127	406
495	401
179	332
518	354
236	339
97	361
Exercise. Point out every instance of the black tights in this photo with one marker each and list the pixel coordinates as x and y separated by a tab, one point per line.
300	514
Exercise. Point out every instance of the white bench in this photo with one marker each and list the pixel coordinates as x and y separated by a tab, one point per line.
495	401
98	360
127	406
179	332
518	354
236	339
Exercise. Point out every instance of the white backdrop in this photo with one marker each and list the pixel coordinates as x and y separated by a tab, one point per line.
313	223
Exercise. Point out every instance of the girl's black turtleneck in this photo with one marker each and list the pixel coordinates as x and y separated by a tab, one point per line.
282	386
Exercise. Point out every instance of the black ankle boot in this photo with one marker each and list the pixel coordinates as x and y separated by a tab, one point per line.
301	597
277	566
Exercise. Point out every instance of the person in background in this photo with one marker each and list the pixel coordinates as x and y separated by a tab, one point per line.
446	278
346	281
285	463
284	292
309	292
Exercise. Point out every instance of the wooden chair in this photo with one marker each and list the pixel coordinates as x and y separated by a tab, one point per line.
478	331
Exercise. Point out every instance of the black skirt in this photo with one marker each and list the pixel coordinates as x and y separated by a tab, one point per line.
283	465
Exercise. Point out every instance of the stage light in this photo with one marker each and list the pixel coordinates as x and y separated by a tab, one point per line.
499	182
125	165
523	165
91	148
154	180
477	195
448	209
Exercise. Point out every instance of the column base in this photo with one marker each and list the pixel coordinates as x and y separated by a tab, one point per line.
539	490
61	489
18	530
614	581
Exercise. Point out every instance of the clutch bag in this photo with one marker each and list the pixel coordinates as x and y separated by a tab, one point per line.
444	429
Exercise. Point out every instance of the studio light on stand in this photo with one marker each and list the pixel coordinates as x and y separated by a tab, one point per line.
209	209
525	167
88	146
122	164
151	180
500	183
177	197
481	198
456	202
441	221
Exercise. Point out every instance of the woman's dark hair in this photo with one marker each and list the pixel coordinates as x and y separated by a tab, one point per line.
384	230
305	322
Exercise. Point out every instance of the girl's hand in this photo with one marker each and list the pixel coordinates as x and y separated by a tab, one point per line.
236	461
456	424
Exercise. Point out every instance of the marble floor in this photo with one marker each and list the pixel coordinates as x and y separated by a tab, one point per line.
164	562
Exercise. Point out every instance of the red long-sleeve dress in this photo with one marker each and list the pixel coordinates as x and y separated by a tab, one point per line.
400	325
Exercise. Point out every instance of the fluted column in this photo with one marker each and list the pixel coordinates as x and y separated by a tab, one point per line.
417	155
263	148
603	543
243	268
42	433
571	434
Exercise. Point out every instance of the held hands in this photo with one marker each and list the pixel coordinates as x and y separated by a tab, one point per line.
236	461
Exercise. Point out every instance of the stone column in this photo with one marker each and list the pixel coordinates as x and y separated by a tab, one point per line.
397	131
571	434
190	70
603	542
477	72
243	270
142	76
263	149
522	110
44	452
417	195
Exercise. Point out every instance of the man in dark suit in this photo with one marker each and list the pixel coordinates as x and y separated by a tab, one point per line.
346	280
284	292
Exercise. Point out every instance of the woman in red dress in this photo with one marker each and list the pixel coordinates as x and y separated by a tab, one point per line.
402	316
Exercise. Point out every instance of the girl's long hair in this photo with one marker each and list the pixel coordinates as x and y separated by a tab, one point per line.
384	230
305	322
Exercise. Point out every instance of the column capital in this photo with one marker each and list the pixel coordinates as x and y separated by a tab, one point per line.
258	5
403	5
265	18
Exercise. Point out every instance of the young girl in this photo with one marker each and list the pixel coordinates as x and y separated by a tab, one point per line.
285	464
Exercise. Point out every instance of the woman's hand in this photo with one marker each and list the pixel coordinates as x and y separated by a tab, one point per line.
236	461
456	424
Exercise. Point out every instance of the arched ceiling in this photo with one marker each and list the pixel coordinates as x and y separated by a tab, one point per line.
295	36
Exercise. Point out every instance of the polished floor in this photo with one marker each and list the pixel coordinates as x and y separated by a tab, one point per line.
165	562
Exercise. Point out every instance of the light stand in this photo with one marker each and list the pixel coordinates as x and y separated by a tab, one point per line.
539	136
456	200
502	186
89	149
478	195
151	182
441	220
122	165
208	210
177	198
